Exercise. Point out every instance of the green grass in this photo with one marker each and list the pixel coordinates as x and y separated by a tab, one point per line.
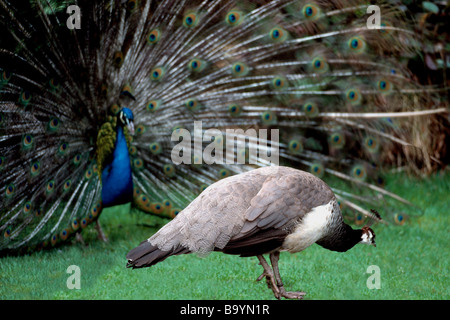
413	261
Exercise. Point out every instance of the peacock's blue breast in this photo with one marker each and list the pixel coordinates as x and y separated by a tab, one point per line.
117	180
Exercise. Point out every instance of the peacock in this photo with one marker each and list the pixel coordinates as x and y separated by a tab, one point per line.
108	102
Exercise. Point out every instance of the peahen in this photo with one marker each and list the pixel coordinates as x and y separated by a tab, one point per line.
263	211
100	99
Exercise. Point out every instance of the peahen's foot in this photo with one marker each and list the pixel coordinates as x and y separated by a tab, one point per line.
271	283
101	234
273	278
280	292
298	295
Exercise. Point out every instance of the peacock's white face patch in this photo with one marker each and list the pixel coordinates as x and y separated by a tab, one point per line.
368	236
126	118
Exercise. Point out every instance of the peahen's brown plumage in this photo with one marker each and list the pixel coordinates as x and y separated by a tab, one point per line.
264	211
337	91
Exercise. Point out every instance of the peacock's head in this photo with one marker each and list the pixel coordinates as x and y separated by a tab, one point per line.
126	118
368	236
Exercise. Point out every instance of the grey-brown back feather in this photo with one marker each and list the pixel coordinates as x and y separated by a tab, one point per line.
256	207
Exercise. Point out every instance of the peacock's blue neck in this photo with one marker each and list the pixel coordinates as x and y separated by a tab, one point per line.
117	181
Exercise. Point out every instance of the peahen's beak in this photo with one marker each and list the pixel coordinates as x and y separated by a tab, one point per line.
130	126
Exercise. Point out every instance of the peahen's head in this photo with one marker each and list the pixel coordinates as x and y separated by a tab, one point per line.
368	236
126	118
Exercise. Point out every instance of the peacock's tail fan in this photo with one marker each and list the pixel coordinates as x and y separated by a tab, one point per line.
314	85
49	175
338	92
49	119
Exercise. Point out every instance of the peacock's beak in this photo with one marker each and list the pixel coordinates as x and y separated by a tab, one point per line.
130	126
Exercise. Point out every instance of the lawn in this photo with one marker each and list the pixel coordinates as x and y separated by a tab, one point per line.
413	261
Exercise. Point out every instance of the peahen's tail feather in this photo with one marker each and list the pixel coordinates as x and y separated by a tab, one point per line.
338	92
146	255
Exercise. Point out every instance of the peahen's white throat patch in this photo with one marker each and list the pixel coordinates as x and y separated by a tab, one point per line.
311	228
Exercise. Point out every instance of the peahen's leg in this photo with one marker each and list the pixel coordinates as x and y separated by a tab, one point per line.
101	234
270	278
274	257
